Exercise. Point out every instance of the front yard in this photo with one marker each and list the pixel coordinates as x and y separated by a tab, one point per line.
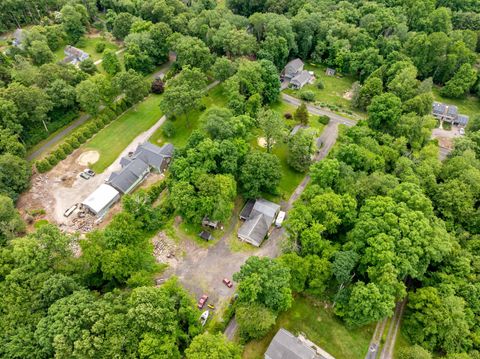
87	44
318	324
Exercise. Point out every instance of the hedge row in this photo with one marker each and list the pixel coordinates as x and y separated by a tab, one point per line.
81	135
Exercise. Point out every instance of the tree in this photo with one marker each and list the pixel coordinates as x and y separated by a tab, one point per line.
183	92
122	24
73	21
61	94
220	123
324	173
298	267
137	59
261	172
272	126
88	66
88	96
414	352
271	81
157	86
301	148
11	223
14	175
461	82
40	52
223	68
266	282
191	51
384	112
371	88
254	320
111	63
301	114
214	346
132	84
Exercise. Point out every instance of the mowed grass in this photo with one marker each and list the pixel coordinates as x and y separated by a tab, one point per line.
334	91
309	316
113	139
87	44
183	126
469	105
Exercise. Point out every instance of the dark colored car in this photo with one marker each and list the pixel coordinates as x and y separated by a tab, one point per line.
201	302
227	282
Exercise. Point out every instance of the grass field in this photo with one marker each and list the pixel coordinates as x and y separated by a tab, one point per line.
182	129
87	44
309	316
469	105
113	139
335	88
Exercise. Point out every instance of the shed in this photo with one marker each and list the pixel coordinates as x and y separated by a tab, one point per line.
330	72
301	79
293	68
101	199
208	223
205	235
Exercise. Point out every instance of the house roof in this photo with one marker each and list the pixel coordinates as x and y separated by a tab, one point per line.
452	110
75	52
296	129
124	179
302	78
462	120
154	155
205	235
439	108
295	65
285	345
267	208
101	198
258	221
247	209
18	36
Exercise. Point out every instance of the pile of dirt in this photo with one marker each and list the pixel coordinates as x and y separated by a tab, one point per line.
87	158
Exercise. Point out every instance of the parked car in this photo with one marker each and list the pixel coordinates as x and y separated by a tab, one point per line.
69	211
227	282
201	302
84	175
89	172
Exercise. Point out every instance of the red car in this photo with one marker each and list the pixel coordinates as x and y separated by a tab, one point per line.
227	282
201	302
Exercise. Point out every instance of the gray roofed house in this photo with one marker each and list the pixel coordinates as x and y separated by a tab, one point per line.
285	345
74	56
452	112
449	113
129	176
301	79
157	157
439	109
293	68
258	221
462	120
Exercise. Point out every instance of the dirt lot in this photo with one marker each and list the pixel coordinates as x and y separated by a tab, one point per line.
446	139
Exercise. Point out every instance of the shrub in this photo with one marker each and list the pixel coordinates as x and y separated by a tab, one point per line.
81	137
100	47
168	129
43	166
157	86
288	116
60	154
307	95
320	85
111	115
52	159
66	148
73	141
202	107
40	223
323	119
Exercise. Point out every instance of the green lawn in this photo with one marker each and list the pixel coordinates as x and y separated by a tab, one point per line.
87	44
335	88
469	105
184	128
309	316
113	139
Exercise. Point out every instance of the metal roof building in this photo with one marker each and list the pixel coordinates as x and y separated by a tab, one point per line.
101	199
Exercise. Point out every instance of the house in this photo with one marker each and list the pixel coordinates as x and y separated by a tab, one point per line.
330	72
259	215
285	345
301	79
74	56
101	200
138	165
449	113
292	69
18	37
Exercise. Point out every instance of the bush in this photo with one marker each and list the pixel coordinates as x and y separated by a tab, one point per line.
111	115
52	159
307	95
60	154
73	141
43	166
202	107
320	85
157	86
66	148
323	119
100	47
81	137
168	129
288	116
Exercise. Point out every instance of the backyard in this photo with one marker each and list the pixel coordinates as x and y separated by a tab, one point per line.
112	140
318	324
334	91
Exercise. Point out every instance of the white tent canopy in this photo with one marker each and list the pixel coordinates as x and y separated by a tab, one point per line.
101	199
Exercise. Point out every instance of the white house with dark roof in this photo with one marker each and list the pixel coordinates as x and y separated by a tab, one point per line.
137	166
259	216
301	79
74	56
292	69
285	345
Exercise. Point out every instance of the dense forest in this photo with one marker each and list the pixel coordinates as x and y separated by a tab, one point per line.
381	220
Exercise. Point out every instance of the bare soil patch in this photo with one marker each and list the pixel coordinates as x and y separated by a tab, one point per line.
87	158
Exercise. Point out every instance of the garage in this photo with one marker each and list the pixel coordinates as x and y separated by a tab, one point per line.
101	200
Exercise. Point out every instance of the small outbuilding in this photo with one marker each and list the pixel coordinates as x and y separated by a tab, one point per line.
18	37
330	72
101	200
206	235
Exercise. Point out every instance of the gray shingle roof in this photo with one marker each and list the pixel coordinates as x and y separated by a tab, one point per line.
259	219
124	179
285	345
462	120
439	108
301	79
295	64
154	155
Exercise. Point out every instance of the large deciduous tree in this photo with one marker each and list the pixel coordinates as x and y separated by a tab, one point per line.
214	346
261	172
301	148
